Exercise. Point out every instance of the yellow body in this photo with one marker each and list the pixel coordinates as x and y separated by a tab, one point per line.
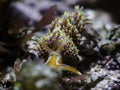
55	61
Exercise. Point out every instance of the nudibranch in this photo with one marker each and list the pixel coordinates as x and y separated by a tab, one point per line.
62	39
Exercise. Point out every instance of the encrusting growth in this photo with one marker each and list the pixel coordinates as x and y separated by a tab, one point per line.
63	38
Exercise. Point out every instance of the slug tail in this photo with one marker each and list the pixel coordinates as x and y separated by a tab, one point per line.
69	68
